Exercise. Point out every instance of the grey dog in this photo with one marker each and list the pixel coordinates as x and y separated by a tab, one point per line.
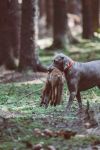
79	76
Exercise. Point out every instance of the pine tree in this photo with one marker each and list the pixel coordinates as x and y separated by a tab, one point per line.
29	35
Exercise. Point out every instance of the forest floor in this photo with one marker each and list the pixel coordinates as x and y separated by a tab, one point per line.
24	125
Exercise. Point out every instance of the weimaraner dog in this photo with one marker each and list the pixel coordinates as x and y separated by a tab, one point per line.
79	76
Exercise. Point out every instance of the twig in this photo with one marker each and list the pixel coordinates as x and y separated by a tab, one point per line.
10	132
32	93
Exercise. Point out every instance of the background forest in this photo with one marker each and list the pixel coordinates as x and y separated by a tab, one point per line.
31	33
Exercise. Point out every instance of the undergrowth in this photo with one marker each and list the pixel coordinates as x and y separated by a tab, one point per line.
29	115
20	106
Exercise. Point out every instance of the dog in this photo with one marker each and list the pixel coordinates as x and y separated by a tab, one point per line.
52	92
79	76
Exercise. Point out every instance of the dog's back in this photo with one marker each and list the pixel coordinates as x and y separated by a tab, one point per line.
88	74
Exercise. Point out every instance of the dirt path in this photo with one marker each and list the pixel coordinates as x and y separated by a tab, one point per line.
7	76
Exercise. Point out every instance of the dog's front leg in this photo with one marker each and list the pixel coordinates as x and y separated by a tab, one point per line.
70	101
72	86
78	96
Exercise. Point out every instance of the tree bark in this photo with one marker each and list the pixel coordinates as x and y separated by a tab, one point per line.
41	8
95	14
49	13
14	24
8	24
90	12
61	32
60	23
29	35
87	19
74	6
3	28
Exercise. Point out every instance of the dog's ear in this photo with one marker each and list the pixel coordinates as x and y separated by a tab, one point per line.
65	63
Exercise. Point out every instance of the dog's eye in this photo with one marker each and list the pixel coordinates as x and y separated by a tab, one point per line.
62	57
55	61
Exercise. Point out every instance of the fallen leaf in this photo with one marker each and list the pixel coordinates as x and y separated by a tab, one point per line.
37	147
94	148
48	132
28	144
67	134
51	147
37	132
96	142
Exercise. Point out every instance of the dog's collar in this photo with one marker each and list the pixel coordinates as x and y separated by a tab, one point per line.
69	65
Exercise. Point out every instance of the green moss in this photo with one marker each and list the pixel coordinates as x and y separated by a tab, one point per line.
16	99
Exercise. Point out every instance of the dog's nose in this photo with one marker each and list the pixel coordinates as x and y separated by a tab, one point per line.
50	68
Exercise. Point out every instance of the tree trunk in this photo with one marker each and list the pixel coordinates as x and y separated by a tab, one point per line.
95	14
87	19
74	6
41	8
7	33
49	13
3	28
14	24
60	23
61	32
90	17
29	34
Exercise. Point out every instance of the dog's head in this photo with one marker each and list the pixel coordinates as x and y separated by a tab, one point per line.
61	62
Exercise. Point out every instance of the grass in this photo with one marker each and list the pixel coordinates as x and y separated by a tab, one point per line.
86	50
30	116
23	112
